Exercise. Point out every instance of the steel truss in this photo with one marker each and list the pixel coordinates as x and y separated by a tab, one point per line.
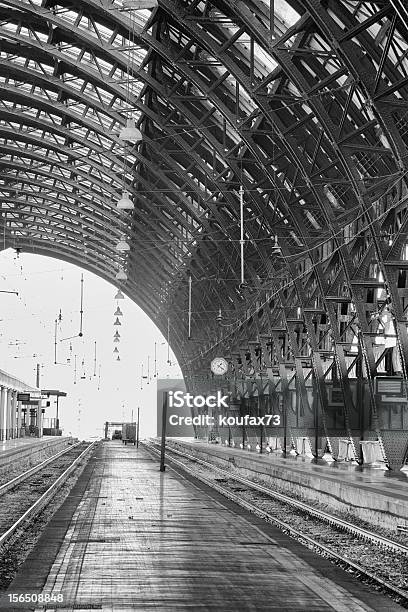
310	117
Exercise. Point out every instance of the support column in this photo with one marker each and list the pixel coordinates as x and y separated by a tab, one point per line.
39	420
14	415
19	419
8	414
3	413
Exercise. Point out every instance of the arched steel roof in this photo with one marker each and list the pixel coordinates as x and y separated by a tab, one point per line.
311	118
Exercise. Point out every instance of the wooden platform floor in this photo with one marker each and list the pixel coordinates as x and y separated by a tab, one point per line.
131	538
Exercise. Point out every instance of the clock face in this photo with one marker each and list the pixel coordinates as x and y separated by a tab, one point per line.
219	365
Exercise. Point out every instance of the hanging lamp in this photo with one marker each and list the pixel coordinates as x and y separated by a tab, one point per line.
117	334
130	133
117	322
121	275
116	339
125	203
118	312
119	295
118	358
116	350
122	245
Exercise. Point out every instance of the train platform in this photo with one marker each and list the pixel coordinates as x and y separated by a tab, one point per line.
370	492
129	537
30	449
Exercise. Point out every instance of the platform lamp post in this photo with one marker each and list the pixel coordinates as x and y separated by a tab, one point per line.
163	432
57	415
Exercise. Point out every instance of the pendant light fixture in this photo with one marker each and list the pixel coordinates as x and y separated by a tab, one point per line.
130	133
125	203
117	334
116	350
121	275
117	322
122	246
118	358
118	312
119	295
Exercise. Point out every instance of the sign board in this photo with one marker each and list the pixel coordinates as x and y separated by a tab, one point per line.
23	397
388	385
388	399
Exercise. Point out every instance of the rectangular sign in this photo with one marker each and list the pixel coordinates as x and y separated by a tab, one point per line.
389	385
23	397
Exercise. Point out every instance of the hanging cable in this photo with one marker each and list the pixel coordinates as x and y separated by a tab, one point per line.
55	341
190	282
168	341
82	307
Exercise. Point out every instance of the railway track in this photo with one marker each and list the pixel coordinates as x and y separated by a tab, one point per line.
10	484
12	487
222	484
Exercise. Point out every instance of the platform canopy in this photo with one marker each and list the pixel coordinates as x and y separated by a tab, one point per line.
303	103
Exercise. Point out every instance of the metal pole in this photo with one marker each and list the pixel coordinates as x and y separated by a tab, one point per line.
163	436
81	312
168	339
189	305
57	418
242	242
137	428
55	342
38	376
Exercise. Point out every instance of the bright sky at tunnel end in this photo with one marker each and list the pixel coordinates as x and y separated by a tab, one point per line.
27	330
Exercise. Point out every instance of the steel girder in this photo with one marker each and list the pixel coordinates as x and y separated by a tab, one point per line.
312	121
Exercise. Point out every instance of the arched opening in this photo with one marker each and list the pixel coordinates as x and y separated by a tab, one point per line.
41	327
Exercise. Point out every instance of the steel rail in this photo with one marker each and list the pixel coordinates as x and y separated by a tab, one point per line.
42	501
344	561
36	468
